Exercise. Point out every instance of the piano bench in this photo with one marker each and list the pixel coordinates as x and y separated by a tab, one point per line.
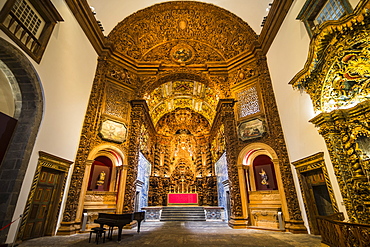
99	233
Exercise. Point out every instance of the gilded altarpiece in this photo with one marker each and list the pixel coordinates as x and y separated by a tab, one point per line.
256	106
336	76
182	162
174	61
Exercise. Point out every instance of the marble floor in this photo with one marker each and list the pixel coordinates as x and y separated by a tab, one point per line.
185	233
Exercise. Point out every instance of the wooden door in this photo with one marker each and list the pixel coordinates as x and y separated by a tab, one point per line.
42	205
317	197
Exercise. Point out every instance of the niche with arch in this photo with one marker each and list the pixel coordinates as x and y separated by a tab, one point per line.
264	197
100	175
264	173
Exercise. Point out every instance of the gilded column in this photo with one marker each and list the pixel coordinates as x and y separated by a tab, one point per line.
343	131
243	189
121	187
137	116
85	183
226	108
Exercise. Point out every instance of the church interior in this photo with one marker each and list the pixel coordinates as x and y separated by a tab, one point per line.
254	112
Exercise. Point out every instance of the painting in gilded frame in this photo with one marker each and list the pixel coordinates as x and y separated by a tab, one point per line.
251	129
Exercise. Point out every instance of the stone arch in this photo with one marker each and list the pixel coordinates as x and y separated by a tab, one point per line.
28	112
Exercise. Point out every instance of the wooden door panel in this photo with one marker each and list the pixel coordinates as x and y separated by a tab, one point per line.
42	202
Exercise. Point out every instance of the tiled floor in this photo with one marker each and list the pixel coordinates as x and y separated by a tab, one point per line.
186	234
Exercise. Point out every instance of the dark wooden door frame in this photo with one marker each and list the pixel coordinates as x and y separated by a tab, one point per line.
61	167
311	163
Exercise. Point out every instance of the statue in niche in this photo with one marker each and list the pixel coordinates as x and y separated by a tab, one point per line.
101	179
264	177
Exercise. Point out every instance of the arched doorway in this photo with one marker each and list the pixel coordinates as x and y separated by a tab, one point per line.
26	91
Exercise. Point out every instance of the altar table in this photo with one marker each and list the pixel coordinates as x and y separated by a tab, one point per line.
182	198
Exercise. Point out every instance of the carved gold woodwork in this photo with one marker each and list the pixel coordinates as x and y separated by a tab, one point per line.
344	131
336	78
313	163
335	74
225	116
212	32
182	94
88	136
117	102
201	51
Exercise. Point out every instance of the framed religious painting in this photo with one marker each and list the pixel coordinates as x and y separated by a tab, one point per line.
251	129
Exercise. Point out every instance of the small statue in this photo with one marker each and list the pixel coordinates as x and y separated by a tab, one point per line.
101	179
264	177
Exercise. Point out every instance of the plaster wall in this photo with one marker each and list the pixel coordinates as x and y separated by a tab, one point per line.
286	57
66	73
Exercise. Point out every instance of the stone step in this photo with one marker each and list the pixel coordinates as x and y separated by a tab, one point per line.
183	214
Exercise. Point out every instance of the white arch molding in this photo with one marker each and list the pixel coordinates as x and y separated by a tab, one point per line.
245	160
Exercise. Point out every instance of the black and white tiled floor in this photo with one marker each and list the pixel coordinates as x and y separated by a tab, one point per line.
187	233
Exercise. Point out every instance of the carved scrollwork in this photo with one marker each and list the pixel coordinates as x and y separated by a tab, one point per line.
207	24
346	134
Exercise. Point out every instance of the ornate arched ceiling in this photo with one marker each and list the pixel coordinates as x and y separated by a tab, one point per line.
186	39
183	121
182	32
182	94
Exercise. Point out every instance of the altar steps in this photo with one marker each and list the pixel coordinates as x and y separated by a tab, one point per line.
183	214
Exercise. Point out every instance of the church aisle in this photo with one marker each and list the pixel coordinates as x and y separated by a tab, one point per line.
166	234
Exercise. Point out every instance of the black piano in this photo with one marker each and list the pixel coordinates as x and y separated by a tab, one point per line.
119	220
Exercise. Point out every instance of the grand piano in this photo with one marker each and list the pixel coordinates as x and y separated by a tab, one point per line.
119	220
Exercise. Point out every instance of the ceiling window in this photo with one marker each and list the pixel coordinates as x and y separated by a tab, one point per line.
29	23
315	12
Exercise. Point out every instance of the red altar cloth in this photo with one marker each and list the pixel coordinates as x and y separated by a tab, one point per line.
182	198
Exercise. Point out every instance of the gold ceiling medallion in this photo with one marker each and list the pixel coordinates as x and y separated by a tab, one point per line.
182	53
183	24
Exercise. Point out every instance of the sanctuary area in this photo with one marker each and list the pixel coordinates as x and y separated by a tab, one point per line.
253	113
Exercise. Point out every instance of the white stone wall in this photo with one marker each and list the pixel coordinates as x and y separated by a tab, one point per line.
66	72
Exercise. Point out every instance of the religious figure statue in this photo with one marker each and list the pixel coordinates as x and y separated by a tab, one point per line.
101	179
264	177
